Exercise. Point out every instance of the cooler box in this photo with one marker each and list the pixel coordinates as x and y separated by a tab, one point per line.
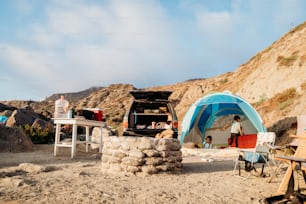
98	113
245	141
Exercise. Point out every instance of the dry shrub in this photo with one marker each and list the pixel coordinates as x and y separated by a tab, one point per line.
286	61
285	95
280	101
285	104
286	98
261	100
223	81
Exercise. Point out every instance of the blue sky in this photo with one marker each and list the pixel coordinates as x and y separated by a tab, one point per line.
60	46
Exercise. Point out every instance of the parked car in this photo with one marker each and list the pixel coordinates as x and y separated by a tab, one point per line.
150	113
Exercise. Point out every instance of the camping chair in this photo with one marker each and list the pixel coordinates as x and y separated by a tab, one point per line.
261	154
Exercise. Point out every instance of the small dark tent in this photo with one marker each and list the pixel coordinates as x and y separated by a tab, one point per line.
213	114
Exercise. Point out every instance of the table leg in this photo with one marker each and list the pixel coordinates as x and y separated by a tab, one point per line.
57	137
74	138
285	183
87	138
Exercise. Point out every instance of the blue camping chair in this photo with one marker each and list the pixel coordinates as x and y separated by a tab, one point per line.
260	155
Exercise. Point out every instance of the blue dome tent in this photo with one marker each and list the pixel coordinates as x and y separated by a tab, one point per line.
199	120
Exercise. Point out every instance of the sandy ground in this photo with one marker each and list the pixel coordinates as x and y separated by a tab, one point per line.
207	177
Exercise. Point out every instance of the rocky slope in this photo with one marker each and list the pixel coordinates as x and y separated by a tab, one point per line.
274	81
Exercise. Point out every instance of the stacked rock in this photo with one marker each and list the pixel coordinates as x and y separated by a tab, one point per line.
132	155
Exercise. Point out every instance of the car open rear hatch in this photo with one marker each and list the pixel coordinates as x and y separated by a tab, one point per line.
151	95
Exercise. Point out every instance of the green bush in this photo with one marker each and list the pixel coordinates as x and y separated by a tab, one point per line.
39	135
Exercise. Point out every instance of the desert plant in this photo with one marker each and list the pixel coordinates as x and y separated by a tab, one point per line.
286	61
285	98
285	95
262	99
38	135
285	104
195	79
223	81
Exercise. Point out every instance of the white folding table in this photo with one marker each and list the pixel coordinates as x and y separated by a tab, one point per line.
75	122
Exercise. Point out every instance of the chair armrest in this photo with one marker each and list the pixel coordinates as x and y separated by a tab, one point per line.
273	147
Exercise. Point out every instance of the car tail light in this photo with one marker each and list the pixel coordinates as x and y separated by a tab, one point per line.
175	124
125	124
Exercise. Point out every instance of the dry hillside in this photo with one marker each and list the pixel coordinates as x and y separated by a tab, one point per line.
274	81
279	70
